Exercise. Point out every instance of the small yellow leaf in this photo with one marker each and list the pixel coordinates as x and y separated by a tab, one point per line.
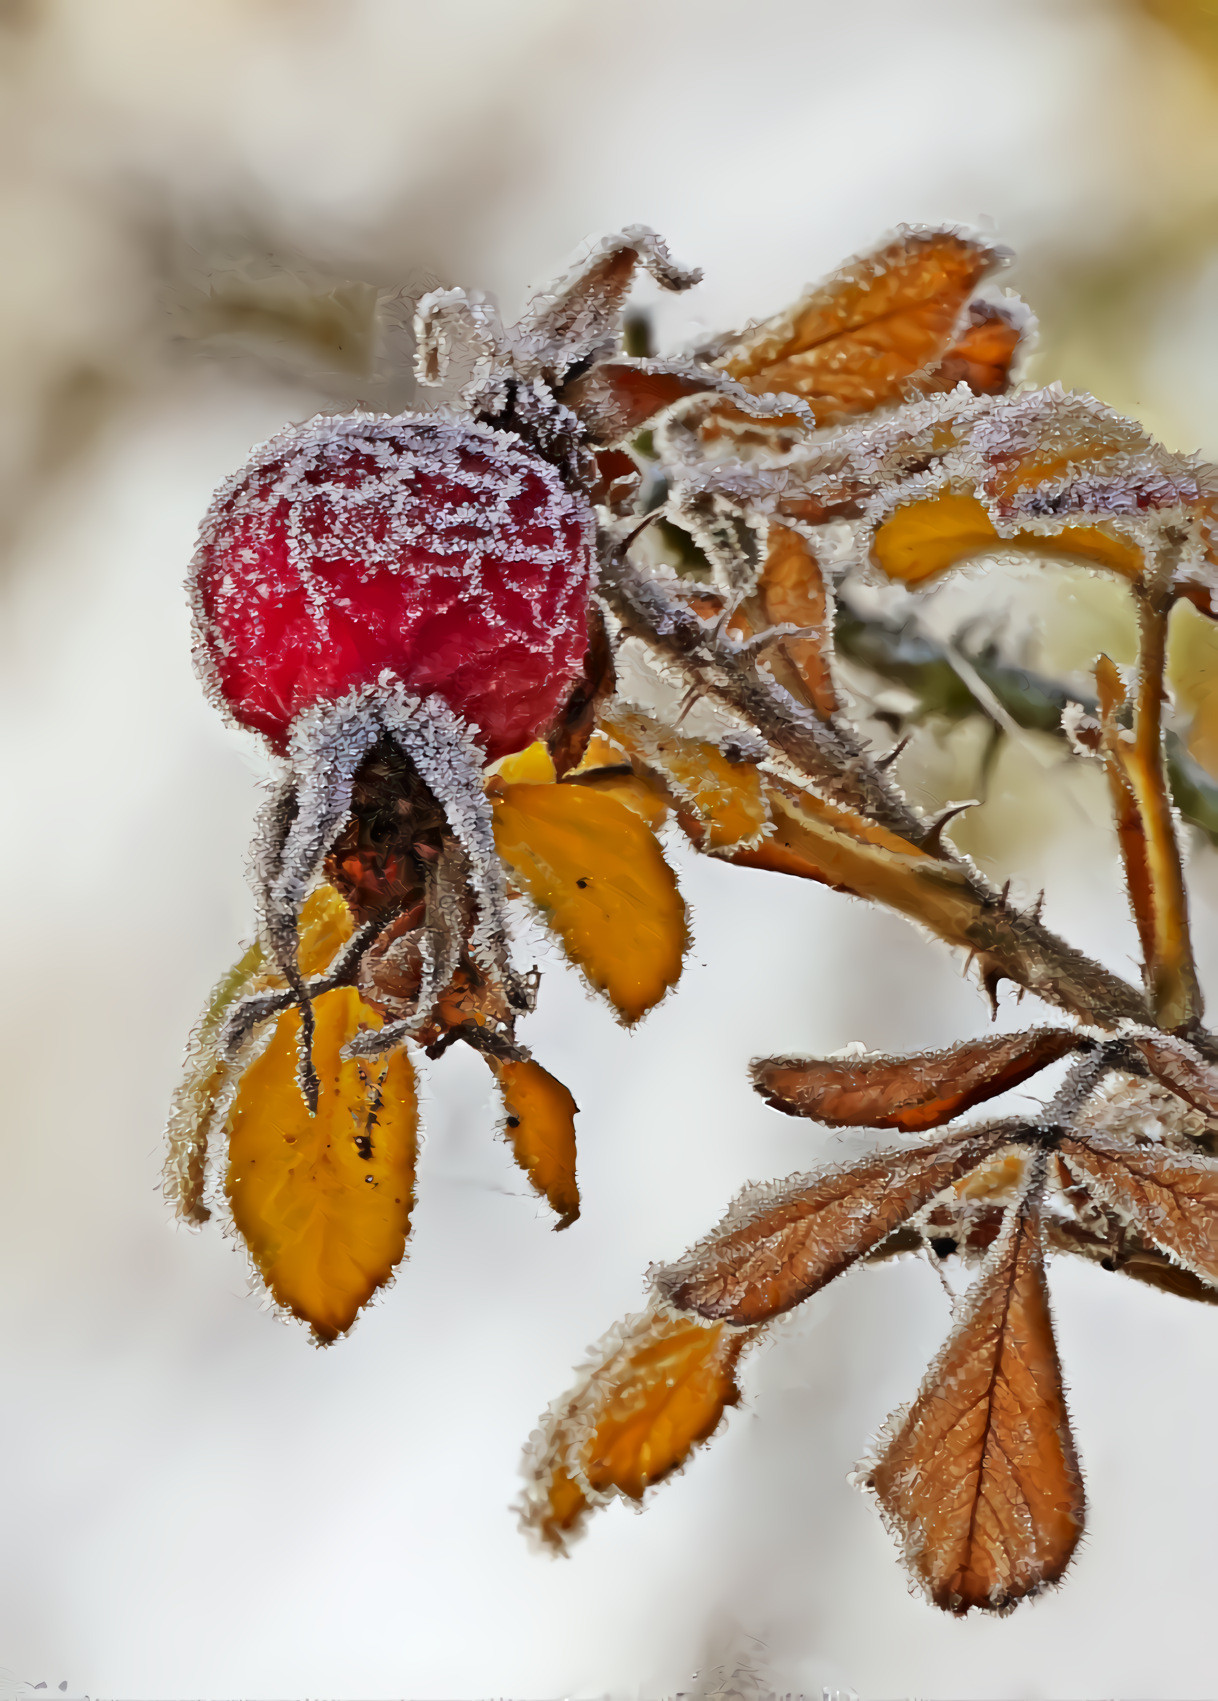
657	1389
927	537
645	797
541	1127
534	766
598	874
323	1202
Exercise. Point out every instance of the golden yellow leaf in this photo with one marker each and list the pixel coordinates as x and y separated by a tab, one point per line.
323	1202
531	766
659	1388
597	873
923	538
540	1116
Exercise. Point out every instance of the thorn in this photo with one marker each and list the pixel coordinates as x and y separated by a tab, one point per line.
991	979
1006	891
933	842
1038	906
890	756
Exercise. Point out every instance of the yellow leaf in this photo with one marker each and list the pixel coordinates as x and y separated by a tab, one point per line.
323	1202
924	538
541	1127
534	766
644	797
597	873
658	1389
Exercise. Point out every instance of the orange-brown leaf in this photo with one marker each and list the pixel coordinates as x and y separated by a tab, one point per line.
597	873
979	1480
656	1388
540	1124
855	342
792	592
1146	832
982	354
781	1242
323	1202
615	398
911	1093
1169	1197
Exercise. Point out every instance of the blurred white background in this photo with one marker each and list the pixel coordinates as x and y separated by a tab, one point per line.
200	204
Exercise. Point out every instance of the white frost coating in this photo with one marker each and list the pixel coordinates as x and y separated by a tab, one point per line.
453	323
454	537
328	742
576	318
450	761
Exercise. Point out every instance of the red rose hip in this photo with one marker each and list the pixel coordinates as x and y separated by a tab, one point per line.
438	549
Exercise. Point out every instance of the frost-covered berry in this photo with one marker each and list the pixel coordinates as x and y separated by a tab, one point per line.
440	550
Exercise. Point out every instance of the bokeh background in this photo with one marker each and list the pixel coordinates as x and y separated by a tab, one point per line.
216	218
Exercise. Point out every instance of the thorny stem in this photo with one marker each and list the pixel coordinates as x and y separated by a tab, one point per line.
1082	1078
973	915
827	755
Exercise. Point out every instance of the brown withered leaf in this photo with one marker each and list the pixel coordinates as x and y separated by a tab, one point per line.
782	1241
978	1480
1181	1067
1169	1197
655	1388
856	341
914	1092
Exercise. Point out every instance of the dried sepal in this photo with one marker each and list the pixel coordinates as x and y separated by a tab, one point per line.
539	1122
596	872
1169	1197
978	1481
655	1388
921	1090
780	1242
323	1200
866	336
